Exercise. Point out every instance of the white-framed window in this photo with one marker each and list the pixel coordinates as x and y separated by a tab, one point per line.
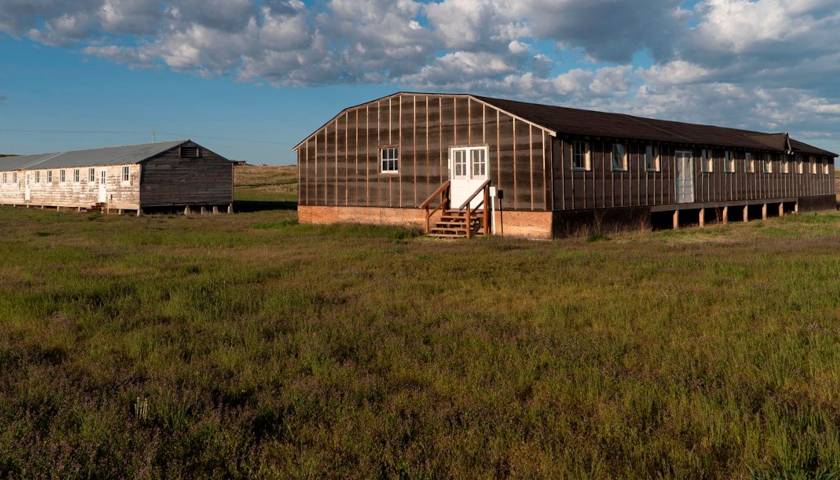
126	174
619	157
813	162
77	175
5	177
799	165
728	162
49	176
750	161
767	163
707	162
389	159
14	177
62	176
785	165
469	162
102	174
91	175
37	176
580	156
652	163
826	168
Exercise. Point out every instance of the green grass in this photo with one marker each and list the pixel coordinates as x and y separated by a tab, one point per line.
251	346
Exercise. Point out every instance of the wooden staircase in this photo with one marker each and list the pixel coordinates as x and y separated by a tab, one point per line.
453	224
466	221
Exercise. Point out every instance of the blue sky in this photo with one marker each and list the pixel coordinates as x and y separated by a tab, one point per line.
249	78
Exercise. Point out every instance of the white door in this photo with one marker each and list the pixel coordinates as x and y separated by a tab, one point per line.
685	176
467	171
27	192
103	188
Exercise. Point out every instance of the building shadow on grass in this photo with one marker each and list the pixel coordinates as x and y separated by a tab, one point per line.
246	206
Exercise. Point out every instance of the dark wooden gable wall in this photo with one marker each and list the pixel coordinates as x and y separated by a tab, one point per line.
339	164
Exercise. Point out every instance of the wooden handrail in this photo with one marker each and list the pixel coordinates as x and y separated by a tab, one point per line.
437	192
475	194
443	192
484	202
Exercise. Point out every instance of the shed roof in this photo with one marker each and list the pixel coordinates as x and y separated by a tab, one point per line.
618	125
121	155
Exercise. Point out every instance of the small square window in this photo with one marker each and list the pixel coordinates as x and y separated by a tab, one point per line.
580	156
652	163
619	157
707	162
768	164
390	159
728	162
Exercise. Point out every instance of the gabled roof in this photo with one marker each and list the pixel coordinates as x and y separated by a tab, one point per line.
618	125
573	121
123	155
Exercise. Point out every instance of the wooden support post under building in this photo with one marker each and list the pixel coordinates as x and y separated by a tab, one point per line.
782	209
702	217
746	213
215	209
139	212
203	210
119	211
725	215
676	219
230	208
187	210
796	207
764	211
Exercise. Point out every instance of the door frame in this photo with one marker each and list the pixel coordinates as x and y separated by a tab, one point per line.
677	175
471	181
27	187
102	186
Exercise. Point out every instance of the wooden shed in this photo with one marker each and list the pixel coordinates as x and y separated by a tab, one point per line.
165	175
462	165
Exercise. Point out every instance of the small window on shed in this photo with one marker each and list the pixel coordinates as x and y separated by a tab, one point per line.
390	159
813	163
91	175
77	176
619	157
652	158
190	152
126	174
5	177
826	168
37	177
748	159
768	163
707	162
580	156
14	177
49	176
728	162
62	176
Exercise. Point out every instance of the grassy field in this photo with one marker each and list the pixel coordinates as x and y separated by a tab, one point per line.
250	346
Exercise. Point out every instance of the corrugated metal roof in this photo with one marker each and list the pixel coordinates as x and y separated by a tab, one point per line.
618	125
122	155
